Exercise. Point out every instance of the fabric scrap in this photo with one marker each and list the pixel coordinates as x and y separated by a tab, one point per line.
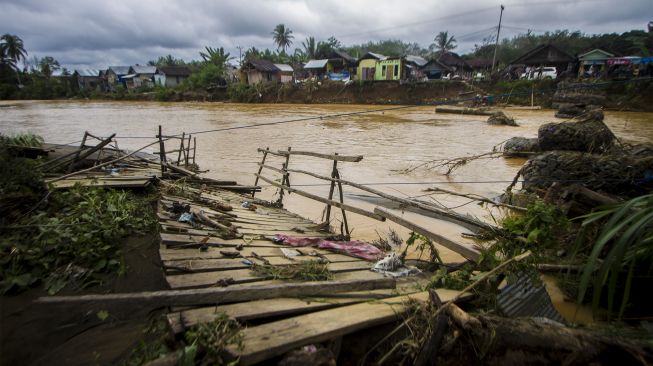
354	248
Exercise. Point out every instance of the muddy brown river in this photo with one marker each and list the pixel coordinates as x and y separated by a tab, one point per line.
389	141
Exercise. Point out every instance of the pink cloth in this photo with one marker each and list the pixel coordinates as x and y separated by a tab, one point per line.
355	248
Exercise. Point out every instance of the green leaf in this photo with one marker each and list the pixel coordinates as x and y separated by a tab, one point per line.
102	315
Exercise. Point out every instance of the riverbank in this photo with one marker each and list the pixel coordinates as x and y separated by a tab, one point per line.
625	95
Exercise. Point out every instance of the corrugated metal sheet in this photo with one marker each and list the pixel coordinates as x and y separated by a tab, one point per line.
316	64
263	66
119	70
417	60
87	72
143	69
284	67
523	299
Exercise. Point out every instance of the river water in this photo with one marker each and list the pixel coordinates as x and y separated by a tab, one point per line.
389	141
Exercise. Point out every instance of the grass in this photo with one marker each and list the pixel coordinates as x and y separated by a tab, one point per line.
303	271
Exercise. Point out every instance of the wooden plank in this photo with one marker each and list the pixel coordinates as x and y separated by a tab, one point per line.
138	183
465	250
338	264
213	253
324	200
205	279
351	159
269	152
272	339
280	171
261	309
224	295
180	239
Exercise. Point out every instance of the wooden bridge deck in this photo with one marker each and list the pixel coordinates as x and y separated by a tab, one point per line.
194	258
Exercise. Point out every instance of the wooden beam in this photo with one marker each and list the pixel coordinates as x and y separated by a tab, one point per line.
275	338
272	152
223	295
351	159
343	206
462	249
88	152
280	171
435	212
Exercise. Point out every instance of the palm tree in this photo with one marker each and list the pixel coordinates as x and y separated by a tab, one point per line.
12	47
216	56
310	48
443	43
282	36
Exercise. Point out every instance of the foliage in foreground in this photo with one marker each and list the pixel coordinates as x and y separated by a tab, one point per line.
75	238
622	251
212	338
303	271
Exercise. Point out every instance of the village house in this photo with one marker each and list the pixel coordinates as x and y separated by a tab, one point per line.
457	64
414	66
318	68
546	55
593	63
285	74
434	70
392	68
171	76
258	71
87	79
140	76
366	66
114	76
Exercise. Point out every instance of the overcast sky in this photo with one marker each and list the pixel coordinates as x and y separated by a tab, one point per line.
90	33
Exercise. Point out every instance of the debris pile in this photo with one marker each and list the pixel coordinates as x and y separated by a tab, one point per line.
500	118
573	100
587	134
521	147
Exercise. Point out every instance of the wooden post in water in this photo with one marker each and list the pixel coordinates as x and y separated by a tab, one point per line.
331	189
342	200
194	148
285	180
186	161
181	148
162	152
260	168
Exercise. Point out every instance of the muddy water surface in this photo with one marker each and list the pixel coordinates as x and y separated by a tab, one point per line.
389	141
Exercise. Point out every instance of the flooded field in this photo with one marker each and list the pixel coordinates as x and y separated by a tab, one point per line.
389	141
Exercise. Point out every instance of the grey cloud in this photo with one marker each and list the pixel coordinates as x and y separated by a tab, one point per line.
97	33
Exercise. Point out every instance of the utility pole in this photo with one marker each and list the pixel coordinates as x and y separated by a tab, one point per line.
240	56
496	45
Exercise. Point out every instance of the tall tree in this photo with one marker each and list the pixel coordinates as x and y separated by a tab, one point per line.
282	36
216	56
310	47
48	65
11	46
443	43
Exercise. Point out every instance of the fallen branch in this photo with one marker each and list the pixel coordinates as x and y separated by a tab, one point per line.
452	164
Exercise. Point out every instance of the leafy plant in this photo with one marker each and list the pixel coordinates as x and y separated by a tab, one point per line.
541	226
214	337
75	238
23	139
422	243
625	245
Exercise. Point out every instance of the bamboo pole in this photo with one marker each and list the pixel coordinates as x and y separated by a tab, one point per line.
162	152
181	147
351	159
261	165
331	189
90	151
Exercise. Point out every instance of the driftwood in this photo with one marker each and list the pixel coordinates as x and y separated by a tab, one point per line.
533	341
476	197
219	295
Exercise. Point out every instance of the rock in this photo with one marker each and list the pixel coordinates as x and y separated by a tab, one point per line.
500	118
520	147
587	134
617	173
566	110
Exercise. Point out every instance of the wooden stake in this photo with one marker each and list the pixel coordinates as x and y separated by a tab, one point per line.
260	168
181	147
162	152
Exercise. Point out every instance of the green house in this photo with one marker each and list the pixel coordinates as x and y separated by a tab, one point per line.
389	69
592	63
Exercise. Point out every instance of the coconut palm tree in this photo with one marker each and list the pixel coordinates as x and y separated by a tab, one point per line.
443	43
310	48
282	36
12	48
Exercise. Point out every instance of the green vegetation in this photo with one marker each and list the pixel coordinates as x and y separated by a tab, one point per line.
211	339
74	239
243	93
622	251
303	271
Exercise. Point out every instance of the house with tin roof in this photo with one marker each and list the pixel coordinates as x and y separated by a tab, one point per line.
87	79
171	76
259	71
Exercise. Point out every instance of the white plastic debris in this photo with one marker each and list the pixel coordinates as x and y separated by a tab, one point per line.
393	266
